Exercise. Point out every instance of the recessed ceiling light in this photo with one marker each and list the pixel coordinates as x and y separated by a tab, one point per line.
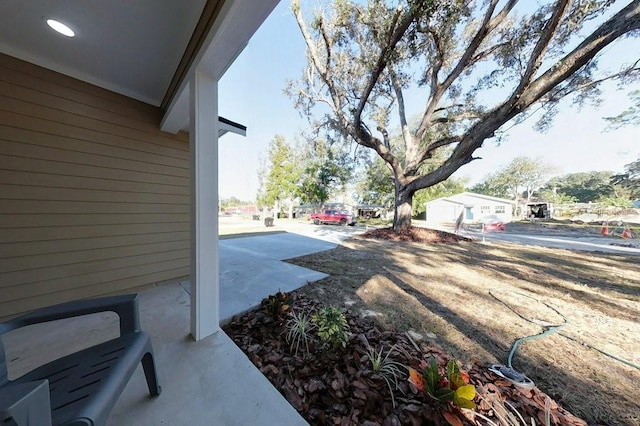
60	27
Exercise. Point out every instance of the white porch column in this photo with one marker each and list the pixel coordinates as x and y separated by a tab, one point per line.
203	145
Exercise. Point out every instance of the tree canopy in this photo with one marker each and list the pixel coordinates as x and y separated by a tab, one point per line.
630	180
478	65
583	187
312	173
520	177
279	178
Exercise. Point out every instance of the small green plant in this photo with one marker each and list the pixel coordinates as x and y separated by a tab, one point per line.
452	387
391	371
332	326
277	305
299	328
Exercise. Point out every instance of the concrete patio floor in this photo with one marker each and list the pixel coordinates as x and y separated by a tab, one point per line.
209	382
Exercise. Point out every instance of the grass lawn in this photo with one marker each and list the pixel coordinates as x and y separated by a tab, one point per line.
475	300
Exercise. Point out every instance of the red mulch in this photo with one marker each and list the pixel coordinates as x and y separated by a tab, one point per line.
415	234
339	387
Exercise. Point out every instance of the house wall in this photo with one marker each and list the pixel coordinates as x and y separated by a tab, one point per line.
442	211
94	198
481	209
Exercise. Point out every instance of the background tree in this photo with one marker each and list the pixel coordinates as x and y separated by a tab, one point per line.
522	176
375	185
362	58
325	171
583	187
548	195
491	186
279	177
630	180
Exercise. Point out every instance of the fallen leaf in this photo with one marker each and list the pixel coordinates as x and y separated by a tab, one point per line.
416	379
452	418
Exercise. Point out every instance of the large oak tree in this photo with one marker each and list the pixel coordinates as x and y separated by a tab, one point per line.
480	63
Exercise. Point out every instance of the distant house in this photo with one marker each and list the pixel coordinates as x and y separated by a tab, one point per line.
474	207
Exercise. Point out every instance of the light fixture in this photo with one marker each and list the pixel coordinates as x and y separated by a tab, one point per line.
61	28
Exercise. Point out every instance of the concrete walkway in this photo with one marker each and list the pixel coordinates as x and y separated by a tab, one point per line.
211	381
252	268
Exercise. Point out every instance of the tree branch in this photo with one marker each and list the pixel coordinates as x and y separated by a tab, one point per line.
463	62
394	37
404	127
541	46
625	21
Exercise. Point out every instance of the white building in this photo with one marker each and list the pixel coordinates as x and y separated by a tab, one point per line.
475	208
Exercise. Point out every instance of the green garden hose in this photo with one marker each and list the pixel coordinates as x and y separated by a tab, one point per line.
519	379
507	371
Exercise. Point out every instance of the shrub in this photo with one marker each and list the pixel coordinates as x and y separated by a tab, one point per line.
332	326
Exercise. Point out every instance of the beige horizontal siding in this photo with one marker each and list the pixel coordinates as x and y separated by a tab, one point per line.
76	207
94	198
98	144
132	282
13	251
8	162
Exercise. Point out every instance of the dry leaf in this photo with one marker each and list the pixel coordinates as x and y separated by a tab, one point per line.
452	418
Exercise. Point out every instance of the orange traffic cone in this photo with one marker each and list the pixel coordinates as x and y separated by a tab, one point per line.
626	233
605	229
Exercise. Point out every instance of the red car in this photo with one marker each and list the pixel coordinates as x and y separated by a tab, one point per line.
494	227
339	217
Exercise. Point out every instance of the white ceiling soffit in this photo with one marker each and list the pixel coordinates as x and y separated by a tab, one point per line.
237	21
129	47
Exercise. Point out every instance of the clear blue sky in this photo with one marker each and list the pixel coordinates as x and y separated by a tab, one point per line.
251	93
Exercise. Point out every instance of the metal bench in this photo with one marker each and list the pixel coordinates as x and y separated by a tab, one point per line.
80	388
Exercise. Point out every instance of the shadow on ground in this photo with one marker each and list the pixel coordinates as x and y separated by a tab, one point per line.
447	290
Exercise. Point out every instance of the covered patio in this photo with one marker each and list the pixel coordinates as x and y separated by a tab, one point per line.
108	182
204	382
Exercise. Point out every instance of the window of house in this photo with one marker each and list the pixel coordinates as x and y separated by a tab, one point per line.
500	209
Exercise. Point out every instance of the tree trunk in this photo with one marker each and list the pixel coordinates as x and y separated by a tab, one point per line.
402	211
290	207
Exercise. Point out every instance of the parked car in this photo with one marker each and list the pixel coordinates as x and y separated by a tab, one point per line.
339	217
492	223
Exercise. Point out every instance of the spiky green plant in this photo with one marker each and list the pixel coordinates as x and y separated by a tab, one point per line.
391	371
299	332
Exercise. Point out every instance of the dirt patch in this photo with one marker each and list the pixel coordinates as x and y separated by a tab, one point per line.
474	300
415	234
569	228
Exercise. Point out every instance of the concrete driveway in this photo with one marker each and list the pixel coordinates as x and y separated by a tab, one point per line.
251	268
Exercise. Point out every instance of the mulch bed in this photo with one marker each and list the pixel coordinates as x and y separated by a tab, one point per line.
338	387
415	234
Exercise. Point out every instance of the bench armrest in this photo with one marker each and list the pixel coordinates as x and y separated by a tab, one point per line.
125	306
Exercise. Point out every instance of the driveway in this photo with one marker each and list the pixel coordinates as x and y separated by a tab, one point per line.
252	268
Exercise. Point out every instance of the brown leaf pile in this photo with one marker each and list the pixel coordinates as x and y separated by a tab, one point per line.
414	234
339	387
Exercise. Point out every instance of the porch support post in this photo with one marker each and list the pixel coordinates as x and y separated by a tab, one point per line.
203	146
